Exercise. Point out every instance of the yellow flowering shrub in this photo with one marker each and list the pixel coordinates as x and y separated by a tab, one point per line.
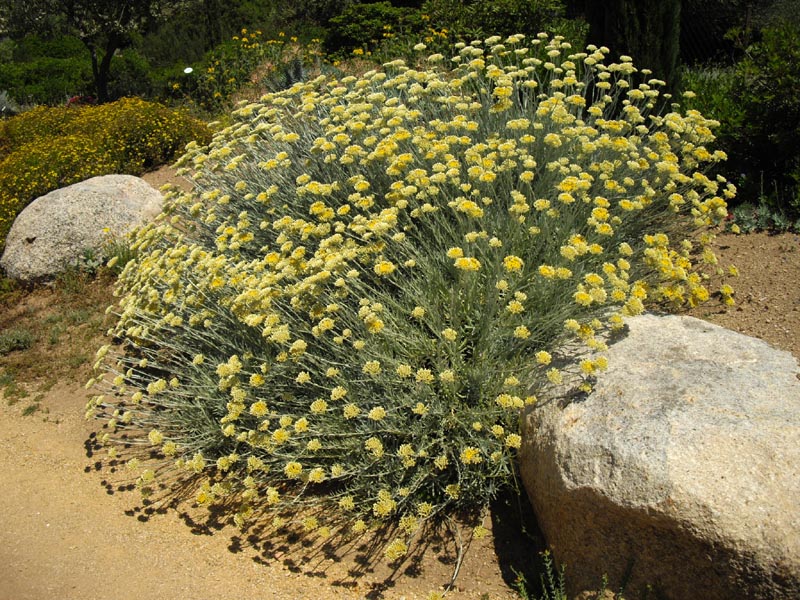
47	148
375	275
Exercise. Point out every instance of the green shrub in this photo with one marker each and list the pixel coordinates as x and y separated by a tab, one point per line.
383	32
35	125
48	148
32	47
473	19
769	89
46	71
190	34
647	30
758	105
340	324
131	75
47	80
243	61
364	26
12	340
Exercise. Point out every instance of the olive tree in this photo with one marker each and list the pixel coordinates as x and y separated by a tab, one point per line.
104	26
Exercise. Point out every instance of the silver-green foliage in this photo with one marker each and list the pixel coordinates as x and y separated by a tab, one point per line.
341	324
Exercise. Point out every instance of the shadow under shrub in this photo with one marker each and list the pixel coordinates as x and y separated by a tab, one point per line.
338	327
47	148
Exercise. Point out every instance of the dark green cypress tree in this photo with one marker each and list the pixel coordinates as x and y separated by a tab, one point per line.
647	30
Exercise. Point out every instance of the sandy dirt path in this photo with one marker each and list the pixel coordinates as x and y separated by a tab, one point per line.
67	533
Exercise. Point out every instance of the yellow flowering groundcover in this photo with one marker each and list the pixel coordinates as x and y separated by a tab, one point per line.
338	328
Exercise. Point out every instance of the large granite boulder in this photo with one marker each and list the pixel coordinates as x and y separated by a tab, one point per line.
680	470
56	229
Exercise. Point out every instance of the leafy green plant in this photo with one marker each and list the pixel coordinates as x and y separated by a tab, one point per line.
31	409
12	391
476	20
339	325
242	61
12	340
54	335
119	253
758	105
6	378
364	26
88	262
553	584
43	71
748	217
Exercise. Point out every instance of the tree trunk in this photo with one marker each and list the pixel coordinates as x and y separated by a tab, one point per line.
101	68
104	72
90	45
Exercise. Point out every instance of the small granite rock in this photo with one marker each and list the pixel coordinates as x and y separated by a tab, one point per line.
680	469
56	229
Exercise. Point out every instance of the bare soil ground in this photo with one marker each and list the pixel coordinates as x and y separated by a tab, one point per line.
72	528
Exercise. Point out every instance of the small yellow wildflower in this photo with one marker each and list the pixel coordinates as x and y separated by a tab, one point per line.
377	414
338	393
293	469
513	263
522	332
398	548
420	409
424	376
554	376
258	408
375	446
467	264
319	406
351	411
513	440
515	307
470	455
372	367
384	267
449	334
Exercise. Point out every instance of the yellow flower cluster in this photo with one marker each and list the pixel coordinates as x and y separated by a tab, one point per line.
378	273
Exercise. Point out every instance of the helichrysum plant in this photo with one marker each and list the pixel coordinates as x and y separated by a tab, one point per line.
338	328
